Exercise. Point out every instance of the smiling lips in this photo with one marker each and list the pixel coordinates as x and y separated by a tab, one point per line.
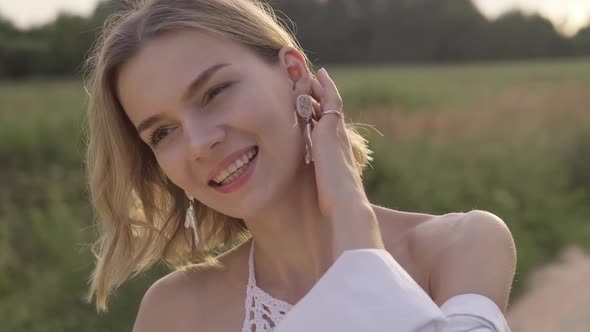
232	166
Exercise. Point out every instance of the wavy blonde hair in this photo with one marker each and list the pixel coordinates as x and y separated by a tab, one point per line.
139	212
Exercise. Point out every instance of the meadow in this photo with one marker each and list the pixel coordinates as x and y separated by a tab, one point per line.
510	138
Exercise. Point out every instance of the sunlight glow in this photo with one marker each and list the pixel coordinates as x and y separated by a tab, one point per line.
27	13
568	16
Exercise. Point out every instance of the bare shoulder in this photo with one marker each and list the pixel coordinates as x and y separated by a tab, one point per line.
183	299
453	253
177	295
404	235
161	304
410	229
471	252
436	233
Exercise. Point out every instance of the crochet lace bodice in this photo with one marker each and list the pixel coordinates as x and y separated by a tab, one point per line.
263	312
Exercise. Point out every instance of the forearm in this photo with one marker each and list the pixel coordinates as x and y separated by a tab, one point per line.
355	228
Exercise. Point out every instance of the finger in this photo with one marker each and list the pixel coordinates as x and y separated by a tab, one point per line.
331	96
317	110
317	90
317	93
330	101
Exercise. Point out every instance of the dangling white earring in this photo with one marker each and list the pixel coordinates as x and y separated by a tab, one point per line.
305	110
189	219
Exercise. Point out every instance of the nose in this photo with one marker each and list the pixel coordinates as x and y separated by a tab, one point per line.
201	139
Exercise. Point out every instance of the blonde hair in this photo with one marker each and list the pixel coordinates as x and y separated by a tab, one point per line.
139	212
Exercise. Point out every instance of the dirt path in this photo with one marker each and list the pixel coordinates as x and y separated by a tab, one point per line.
558	299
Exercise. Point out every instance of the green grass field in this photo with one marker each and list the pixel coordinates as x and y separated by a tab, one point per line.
419	88
510	138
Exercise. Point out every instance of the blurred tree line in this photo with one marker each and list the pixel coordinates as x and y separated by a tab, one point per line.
333	31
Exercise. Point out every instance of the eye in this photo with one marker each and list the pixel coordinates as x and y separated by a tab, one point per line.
158	135
211	94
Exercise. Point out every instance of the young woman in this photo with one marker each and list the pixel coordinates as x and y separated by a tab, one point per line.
207	126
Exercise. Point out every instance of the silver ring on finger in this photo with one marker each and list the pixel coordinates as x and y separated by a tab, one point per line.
339	113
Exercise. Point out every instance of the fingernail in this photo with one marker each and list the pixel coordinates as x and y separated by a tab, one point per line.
324	71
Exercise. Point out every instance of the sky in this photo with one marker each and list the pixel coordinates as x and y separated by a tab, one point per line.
567	15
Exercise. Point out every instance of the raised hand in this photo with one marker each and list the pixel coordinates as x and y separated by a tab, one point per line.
341	195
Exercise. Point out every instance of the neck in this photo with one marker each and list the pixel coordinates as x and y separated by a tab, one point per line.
292	244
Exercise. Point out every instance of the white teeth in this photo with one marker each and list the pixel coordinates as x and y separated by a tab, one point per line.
233	177
222	177
240	162
232	168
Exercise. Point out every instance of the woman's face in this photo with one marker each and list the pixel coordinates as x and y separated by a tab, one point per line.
198	99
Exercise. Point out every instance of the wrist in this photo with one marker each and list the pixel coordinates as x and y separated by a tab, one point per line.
350	212
359	210
356	228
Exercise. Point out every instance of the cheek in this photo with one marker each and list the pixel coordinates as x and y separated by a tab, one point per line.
176	170
171	162
279	137
268	113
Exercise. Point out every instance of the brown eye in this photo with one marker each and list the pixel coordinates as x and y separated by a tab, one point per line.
158	135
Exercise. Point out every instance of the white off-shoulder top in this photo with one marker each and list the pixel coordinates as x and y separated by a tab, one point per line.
367	290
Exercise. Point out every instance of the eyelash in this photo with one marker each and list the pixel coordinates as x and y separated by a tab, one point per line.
214	92
210	95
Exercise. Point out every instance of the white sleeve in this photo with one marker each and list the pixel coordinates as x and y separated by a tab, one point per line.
367	290
473	313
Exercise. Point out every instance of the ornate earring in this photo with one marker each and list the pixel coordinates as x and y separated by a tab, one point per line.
189	219
305	110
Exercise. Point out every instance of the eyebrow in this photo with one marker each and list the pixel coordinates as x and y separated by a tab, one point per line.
195	85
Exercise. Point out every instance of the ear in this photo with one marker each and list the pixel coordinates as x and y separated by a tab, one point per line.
294	65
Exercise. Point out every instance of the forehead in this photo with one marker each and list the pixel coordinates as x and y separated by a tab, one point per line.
155	77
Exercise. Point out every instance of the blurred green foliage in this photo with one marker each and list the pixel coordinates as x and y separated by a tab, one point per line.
539	186
360	31
424	87
524	186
